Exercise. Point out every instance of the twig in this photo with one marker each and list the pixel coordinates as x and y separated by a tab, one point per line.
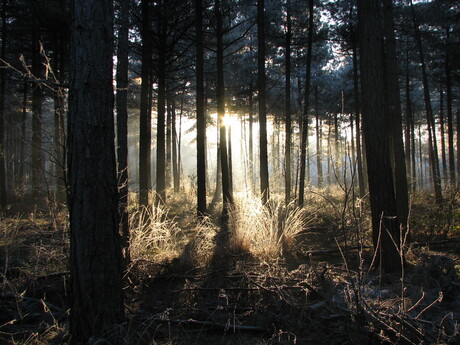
225	326
439	299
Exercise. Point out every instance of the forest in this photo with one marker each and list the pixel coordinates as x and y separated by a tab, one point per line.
229	172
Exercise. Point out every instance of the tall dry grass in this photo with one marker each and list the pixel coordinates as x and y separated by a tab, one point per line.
266	231
154	236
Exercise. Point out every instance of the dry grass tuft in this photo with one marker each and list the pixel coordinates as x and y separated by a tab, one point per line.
9	230
154	236
265	231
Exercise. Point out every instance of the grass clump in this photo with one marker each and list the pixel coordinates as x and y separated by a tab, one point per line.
154	236
266	231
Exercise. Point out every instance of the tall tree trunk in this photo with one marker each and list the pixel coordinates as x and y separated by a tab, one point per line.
304	136
161	149
97	309
410	132
200	112
385	224
359	154
230	157
442	132
168	164
432	144
3	198
175	163
420	152
450	125
261	85
395	115
319	159
145	120
22	151
251	139
287	110
224	163
122	124
37	98
59	111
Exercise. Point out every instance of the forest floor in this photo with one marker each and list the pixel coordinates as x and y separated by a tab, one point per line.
202	289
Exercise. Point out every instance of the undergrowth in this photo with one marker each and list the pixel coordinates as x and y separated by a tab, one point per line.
323	299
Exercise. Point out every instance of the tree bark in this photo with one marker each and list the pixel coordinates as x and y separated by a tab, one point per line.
357	104
200	112
432	144
161	135
22	151
59	111
168	164
395	115
122	125
450	126
37	99
385	225
261	86
304	136
442	132
287	111
3	199
224	162
319	158
97	299
175	160
145	121
251	140
410	132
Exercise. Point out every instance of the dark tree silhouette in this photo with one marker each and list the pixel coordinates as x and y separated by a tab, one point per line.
394	114
224	162
145	118
287	111
122	123
200	113
97	299
2	112
304	136
261	85
385	225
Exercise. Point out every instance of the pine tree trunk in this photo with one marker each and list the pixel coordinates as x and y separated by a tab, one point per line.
200	112
22	152
59	111
97	297
168	164
432	144
261	86
359	154
37	99
251	140
122	125
450	126
226	183
395	115
3	198
304	136
442	132
175	163
145	120
319	159
161	104
385	225
287	110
